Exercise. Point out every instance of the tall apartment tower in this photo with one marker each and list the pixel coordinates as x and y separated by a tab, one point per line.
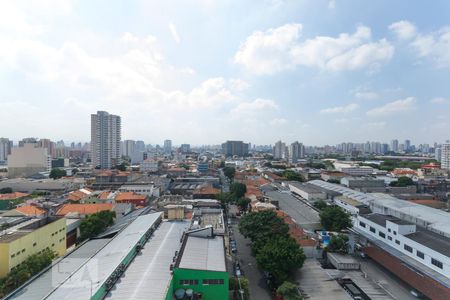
105	139
5	148
279	150
445	155
296	151
168	146
394	145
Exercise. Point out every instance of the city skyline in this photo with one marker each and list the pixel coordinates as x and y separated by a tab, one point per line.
314	71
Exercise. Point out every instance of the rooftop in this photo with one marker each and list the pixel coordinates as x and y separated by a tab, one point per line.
84	209
203	254
30	210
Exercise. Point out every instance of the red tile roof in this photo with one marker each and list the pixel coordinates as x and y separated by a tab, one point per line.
128	196
83	209
30	210
11	196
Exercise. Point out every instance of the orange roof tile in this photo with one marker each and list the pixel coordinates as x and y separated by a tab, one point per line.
30	210
206	190
84	209
11	196
103	195
126	196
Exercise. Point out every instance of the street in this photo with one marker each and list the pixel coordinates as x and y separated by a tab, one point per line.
257	284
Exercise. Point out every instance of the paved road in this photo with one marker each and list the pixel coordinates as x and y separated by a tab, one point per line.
302	214
258	287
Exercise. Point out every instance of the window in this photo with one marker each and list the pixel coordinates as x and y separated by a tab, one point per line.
53	245
23	250
212	281
13	255
390	238
420	254
34	244
381	234
397	242
436	263
188	282
407	248
395	232
389	230
362	224
372	229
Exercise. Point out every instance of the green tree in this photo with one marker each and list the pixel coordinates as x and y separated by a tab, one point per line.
57	173
6	190
292	176
402	181
238	189
234	285
95	224
320	205
229	172
338	243
280	256
333	218
289	291
243	203
121	167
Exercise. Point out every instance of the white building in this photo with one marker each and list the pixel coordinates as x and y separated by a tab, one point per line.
296	151
279	150
143	189
129	147
445	155
105	139
149	165
28	160
5	148
168	146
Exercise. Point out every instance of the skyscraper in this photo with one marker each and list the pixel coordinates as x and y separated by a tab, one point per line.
296	151
407	145
445	155
168	146
105	139
5	148
238	148
394	145
279	150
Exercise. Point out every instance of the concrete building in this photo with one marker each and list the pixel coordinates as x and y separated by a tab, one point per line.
129	147
394	145
279	150
185	148
5	148
296	151
28	160
445	155
105	140
307	191
17	243
149	165
167	146
235	148
364	184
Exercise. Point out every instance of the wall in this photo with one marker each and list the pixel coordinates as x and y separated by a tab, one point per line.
209	292
43	239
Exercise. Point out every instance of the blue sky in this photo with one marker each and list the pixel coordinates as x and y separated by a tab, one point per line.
201	72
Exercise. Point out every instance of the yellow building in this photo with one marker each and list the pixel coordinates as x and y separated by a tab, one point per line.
30	237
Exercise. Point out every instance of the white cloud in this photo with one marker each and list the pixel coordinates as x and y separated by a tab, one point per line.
254	107
174	32
439	100
404	30
340	109
278	122
279	49
397	106
366	95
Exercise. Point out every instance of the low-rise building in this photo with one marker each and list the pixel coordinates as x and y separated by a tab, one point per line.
28	160
131	197
82	210
364	184
307	191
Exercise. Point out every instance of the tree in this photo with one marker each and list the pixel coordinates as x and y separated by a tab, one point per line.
74	171
289	291
320	205
121	167
333	218
292	176
238	189
6	190
234	285
280	256
402	181
96	224
57	173
243	203
338	243
259	227
229	172
222	164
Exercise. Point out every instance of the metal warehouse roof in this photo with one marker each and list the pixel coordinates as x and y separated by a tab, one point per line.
148	276
435	219
203	254
87	280
43	284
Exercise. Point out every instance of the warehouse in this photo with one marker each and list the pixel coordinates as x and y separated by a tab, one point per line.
307	191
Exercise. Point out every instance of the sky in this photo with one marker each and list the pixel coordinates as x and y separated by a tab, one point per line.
205	71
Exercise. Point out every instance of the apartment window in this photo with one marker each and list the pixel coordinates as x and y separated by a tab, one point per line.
381	234
17	253
437	263
372	229
397	242
188	282
407	248
13	255
362	224
390	238
389	230
420	254
53	245
395	232
212	281
34	244
23	250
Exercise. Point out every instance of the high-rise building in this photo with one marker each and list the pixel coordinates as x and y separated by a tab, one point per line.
105	139
445	155
185	148
129	147
28	160
407	145
438	153
394	145
168	146
232	148
49	145
279	150
296	151
5	148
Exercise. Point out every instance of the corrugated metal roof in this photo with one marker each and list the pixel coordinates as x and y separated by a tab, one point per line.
92	275
148	277
204	254
60	271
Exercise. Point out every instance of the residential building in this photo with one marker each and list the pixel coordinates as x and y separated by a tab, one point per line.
105	140
129	147
296	151
438	154
31	237
28	160
131	197
167	147
235	148
445	155
394	145
279	150
5	148
149	165
185	148
82	210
